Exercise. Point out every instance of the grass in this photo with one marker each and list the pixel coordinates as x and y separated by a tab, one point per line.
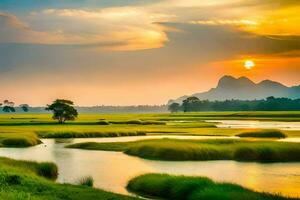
192	188
220	149
22	130
21	180
263	134
74	134
86	181
18	139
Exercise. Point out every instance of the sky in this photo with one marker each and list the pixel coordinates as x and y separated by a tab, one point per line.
137	52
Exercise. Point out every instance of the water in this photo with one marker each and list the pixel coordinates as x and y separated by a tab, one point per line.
112	170
257	124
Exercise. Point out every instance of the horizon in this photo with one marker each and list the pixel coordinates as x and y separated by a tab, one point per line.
163	104
127	53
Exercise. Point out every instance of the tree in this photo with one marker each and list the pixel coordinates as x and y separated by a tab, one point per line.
63	110
190	104
25	107
8	106
174	107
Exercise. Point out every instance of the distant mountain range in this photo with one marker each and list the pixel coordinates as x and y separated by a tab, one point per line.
244	89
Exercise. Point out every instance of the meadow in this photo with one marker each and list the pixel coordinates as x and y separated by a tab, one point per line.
27	129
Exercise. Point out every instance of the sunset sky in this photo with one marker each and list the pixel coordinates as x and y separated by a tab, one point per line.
126	52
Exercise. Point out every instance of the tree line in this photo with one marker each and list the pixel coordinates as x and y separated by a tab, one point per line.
9	106
194	104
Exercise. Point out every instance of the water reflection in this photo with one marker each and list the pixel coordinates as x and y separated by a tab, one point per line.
112	170
256	124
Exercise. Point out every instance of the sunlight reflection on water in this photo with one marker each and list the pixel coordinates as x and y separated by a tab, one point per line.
112	170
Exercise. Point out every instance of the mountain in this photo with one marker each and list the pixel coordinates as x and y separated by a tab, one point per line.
244	89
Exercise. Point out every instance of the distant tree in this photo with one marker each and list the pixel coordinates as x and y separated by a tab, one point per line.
25	107
174	107
8	106
190	104
63	110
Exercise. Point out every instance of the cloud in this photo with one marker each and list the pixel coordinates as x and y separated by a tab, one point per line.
126	28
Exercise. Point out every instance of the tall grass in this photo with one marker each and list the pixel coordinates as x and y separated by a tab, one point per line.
220	149
192	188
86	181
74	134
18	139
20	180
48	170
263	134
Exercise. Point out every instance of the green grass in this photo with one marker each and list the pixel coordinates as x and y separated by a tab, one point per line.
192	188
44	169
74	134
263	134
21	139
22	180
220	149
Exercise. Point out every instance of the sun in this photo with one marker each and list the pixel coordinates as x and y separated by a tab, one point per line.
249	64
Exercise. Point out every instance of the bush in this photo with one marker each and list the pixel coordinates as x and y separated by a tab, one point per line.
86	181
47	170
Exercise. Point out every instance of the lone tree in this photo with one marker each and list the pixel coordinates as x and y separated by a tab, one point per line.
63	110
8	106
25	107
174	107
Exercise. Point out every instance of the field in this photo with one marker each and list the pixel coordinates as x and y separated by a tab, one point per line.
26	129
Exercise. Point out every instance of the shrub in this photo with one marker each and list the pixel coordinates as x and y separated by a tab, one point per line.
86	181
47	170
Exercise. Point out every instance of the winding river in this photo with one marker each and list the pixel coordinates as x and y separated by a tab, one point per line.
112	170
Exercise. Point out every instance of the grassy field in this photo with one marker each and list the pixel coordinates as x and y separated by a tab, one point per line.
192	188
23	180
220	149
26	129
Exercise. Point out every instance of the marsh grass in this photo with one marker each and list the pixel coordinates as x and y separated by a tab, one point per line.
21	180
48	170
263	134
192	188
75	134
18	139
213	149
86	181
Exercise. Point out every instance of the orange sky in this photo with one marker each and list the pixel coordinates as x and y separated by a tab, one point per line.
142	52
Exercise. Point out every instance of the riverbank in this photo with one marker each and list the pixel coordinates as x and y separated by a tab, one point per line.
183	150
24	180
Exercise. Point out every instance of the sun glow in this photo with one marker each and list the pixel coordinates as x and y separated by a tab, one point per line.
249	64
